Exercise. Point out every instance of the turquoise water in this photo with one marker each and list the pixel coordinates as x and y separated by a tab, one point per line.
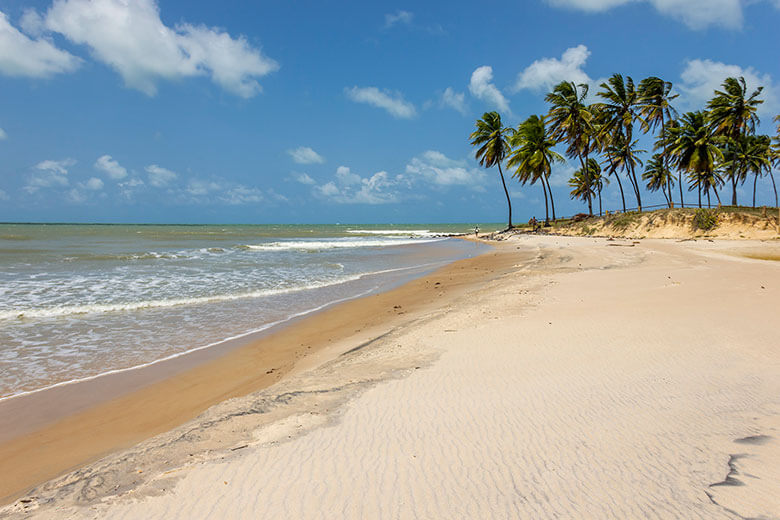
81	300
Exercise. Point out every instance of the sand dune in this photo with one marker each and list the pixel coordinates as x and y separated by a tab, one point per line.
595	379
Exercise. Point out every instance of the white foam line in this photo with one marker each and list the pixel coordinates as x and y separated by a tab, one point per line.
152	304
224	340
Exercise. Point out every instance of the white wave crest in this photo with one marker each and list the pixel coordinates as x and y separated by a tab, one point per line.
343	243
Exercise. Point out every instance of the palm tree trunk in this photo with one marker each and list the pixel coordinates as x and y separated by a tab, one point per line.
587	182
506	192
755	181
620	185
774	186
546	213
600	201
679	180
633	183
636	183
669	191
699	196
715	189
707	191
549	189
733	189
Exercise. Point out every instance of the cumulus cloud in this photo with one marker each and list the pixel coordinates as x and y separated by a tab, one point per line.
238	195
3	135
48	174
130	37
393	102
351	188
305	155
112	168
93	184
696	14
454	100
399	17
436	168
481	87
302	178
159	176
701	78
545	73
21	56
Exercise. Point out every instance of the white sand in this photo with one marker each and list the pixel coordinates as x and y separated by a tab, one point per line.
598	381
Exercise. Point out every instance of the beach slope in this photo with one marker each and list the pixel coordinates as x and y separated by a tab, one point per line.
591	378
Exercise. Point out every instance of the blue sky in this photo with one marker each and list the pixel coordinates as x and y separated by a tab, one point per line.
314	112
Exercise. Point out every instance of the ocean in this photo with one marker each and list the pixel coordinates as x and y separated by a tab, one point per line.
78	301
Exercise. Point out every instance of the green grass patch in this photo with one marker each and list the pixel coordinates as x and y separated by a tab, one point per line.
705	219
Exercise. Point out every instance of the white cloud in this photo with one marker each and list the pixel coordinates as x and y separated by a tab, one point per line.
159	176
107	164
696	14
481	87
75	196
238	195
93	184
48	174
436	168
197	187
130	37
350	188
3	135
545	73
22	56
305	155
701	78
345	177
455	100
400	17
393	102
31	22
302	178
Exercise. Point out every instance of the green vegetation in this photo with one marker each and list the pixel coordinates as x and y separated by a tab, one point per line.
705	219
622	221
700	150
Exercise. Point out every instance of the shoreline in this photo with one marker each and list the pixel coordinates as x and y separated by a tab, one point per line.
568	377
119	409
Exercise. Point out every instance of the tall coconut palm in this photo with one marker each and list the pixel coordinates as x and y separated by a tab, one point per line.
695	150
658	177
570	122
775	156
733	114
748	154
619	111
533	156
625	157
588	183
491	137
655	110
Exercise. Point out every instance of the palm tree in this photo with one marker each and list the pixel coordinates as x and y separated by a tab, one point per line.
570	122
733	114
625	156
619	108
533	155
586	184
748	154
655	109
695	150
491	137
658	177
775	152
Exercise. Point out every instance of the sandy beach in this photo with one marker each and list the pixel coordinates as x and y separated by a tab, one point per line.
555	377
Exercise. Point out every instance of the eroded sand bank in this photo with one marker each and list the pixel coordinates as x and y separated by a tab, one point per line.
582	378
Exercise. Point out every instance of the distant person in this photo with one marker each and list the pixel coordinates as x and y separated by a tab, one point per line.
532	223
476	231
